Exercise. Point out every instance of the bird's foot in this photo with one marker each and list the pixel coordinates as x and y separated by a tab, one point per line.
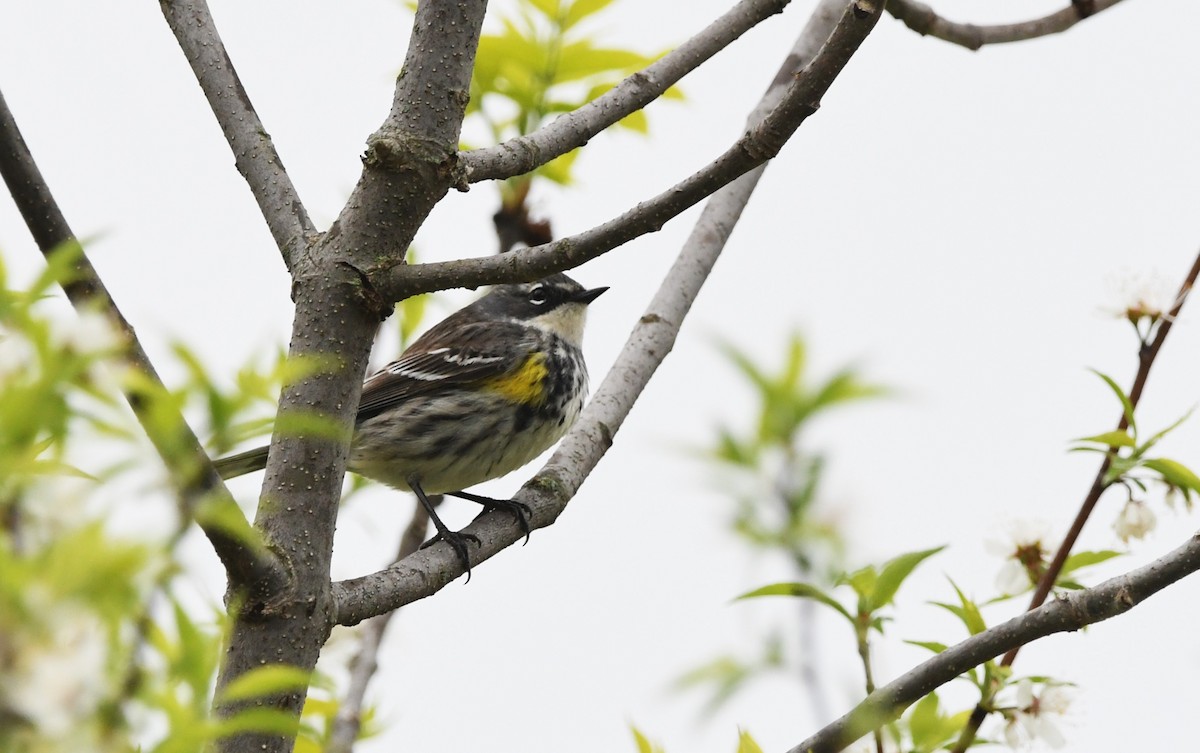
458	542
518	510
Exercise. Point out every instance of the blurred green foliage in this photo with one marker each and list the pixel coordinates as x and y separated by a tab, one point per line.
545	60
97	651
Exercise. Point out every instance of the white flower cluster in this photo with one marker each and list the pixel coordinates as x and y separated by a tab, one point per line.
1143	297
90	335
17	354
1036	715
52	673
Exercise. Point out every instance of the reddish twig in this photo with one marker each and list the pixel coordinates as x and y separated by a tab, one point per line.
1073	611
1146	356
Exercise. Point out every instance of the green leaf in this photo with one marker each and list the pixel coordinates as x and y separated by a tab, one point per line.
60	267
293	369
925	723
1126	405
933	646
195	657
1118	468
1174	473
583	59
747	366
501	55
581	9
893	574
746	743
1111	439
303	423
558	169
675	93
260	720
732	450
726	674
1080	560
862	580
966	611
636	121
412	311
844	387
643	743
1154	439
272	679
801	590
37	467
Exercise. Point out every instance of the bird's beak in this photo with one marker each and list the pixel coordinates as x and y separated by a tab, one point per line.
587	296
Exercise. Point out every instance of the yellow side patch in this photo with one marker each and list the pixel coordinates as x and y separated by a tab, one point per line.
524	385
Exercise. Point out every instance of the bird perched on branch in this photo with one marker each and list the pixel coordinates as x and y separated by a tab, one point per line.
482	393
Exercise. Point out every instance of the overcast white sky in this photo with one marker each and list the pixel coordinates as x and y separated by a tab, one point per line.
954	223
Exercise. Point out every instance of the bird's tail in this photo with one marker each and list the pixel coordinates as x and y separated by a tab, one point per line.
242	463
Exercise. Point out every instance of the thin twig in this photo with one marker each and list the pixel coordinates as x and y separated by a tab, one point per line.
1146	357
427	571
864	655
760	143
574	129
925	21
348	723
253	152
1071	611
204	496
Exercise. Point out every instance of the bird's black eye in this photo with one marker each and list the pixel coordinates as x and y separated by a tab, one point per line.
538	296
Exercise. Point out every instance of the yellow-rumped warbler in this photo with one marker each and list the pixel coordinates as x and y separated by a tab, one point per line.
482	393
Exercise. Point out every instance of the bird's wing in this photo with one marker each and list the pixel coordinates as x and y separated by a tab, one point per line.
442	357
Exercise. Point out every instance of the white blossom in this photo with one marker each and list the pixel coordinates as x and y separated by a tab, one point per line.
1143	297
1135	521
57	675
1024	550
89	333
1036	717
1013	578
62	504
17	355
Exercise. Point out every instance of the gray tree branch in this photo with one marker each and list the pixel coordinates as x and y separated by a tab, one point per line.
407	168
842	28
202	494
925	21
253	152
1071	611
759	144
574	129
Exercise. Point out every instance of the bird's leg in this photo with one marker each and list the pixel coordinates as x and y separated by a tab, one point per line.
457	541
518	510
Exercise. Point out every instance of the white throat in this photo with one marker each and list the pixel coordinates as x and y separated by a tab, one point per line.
566	321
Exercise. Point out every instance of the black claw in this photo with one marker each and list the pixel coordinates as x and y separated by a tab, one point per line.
519	510
457	541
